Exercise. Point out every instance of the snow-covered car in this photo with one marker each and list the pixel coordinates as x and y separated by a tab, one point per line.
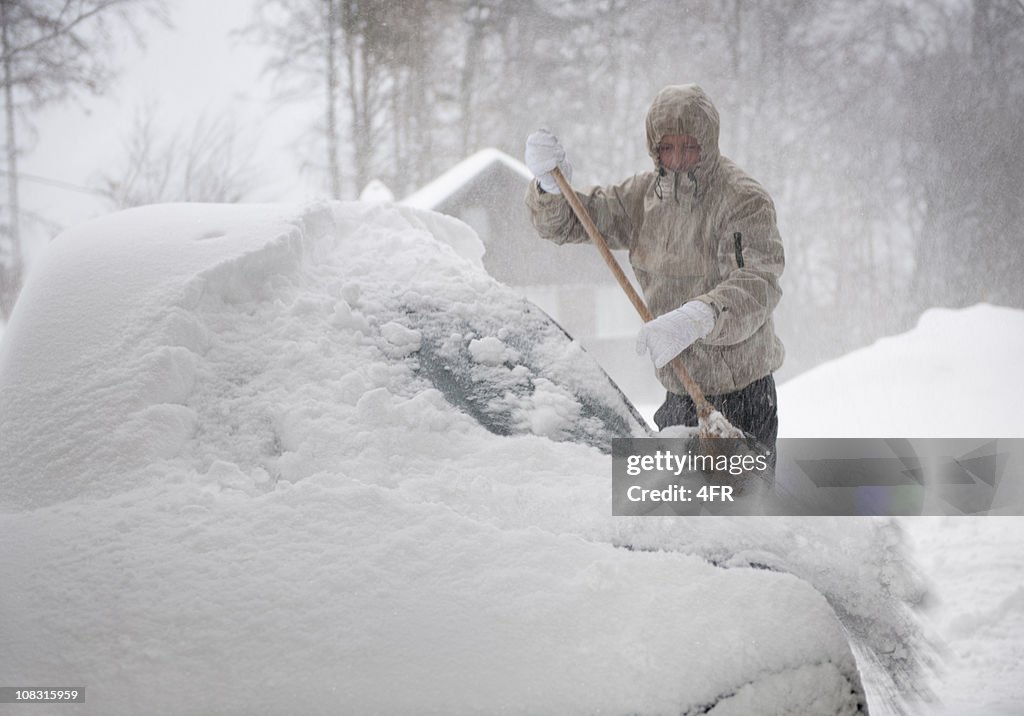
273	459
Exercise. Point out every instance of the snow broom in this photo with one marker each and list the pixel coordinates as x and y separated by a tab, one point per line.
710	422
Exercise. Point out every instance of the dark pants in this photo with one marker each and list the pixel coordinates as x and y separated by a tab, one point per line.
752	409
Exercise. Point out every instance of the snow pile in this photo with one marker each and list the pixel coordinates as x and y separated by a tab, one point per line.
154	328
956	375
233	478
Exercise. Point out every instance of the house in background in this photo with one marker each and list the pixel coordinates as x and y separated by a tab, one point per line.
571	283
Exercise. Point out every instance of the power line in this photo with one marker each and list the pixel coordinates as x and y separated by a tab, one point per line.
55	183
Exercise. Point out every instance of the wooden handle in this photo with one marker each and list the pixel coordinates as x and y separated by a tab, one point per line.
704	408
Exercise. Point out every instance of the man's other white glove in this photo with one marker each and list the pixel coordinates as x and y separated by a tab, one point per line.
543	153
671	333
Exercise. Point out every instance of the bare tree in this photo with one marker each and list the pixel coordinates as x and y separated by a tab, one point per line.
50	49
380	70
962	158
331	102
207	162
305	36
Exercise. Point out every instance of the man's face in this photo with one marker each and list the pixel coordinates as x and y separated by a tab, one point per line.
679	152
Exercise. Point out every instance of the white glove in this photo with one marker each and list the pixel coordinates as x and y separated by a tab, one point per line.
543	153
671	333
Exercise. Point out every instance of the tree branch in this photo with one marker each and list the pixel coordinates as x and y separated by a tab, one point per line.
66	30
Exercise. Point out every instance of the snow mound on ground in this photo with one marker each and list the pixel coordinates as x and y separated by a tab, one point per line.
221	471
955	375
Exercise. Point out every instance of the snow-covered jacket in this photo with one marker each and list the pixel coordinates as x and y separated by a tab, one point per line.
709	234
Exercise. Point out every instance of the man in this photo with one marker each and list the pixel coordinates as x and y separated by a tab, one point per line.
703	242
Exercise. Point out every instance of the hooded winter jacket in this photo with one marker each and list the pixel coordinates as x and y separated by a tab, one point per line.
708	234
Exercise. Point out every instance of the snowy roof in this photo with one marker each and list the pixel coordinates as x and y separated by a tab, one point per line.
445	186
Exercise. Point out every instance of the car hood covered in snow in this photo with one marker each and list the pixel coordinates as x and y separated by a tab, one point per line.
272	459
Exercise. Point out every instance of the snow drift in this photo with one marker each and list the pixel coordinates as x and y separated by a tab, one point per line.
953	376
240	472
